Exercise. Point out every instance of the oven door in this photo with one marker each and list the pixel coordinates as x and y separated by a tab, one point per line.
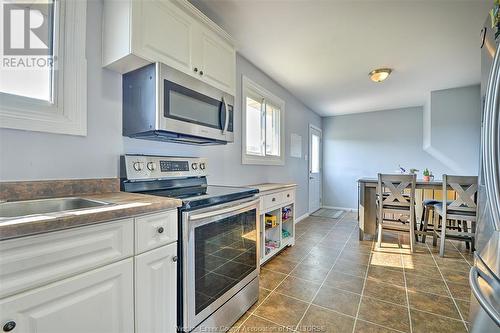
192	107
220	254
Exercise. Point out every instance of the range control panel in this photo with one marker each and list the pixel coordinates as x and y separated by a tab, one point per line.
135	167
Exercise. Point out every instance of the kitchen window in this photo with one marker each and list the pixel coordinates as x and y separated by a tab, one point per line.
43	71
263	126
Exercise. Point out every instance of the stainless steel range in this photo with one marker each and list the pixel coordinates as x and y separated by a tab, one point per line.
218	243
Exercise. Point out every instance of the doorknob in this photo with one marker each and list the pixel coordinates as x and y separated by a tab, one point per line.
311	177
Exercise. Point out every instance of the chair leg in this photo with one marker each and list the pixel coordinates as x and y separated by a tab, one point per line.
412	234
379	236
424	223
443	238
465	228
435	229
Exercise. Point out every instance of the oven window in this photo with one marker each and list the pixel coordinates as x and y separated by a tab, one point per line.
225	253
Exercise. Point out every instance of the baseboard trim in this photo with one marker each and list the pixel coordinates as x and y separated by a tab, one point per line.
341	208
300	218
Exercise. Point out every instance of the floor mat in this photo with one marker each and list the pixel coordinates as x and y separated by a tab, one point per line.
327	212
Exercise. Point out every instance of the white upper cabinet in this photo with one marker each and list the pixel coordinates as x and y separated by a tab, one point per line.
173	32
163	33
217	56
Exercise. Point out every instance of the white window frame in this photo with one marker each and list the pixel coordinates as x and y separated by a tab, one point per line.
250	89
68	112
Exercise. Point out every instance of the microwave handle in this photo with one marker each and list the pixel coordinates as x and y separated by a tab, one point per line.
226	116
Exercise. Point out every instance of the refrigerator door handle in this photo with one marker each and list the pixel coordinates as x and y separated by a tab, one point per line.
474	276
491	138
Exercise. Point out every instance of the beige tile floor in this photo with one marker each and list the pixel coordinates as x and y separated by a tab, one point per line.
332	282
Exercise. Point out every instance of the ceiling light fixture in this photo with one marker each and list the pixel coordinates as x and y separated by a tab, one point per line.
380	74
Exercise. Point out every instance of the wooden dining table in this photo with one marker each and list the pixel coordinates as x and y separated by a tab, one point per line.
367	193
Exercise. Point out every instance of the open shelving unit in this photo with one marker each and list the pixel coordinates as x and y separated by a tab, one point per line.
280	234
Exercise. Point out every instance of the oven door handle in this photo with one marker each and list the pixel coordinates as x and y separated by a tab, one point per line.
235	209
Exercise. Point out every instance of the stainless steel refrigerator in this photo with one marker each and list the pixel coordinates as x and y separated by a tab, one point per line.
484	276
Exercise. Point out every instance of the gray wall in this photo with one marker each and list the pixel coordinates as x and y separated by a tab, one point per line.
362	145
31	155
455	122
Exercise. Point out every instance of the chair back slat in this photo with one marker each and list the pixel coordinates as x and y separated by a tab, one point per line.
392	189
465	188
396	197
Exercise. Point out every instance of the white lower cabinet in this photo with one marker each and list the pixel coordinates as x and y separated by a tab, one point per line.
83	280
156	290
99	301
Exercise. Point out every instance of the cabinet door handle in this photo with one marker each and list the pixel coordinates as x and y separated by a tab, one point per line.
201	72
160	230
273	200
288	195
174	258
9	326
195	69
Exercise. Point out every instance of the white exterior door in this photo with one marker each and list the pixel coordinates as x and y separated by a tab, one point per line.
315	160
99	301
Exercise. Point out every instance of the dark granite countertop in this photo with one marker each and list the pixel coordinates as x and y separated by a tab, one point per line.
121	205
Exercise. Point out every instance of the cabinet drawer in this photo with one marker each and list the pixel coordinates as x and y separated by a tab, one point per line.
32	261
155	230
272	200
288	196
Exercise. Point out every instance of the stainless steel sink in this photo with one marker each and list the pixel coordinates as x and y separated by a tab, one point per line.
45	206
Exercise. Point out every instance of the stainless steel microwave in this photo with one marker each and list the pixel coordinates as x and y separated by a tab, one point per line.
163	104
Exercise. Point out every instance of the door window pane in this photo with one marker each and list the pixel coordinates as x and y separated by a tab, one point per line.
272	131
254	127
315	147
24	73
225	253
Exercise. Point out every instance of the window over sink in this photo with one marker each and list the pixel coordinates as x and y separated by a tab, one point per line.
43	72
263	126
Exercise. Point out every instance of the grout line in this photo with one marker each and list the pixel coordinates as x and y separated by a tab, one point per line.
286	276
369	297
438	315
287	329
329	271
388	328
362	291
338	312
449	291
404	277
329	232
461	254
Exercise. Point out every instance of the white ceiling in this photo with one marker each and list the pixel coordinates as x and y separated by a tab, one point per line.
322	50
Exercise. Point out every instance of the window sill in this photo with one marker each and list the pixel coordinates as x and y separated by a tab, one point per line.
258	160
